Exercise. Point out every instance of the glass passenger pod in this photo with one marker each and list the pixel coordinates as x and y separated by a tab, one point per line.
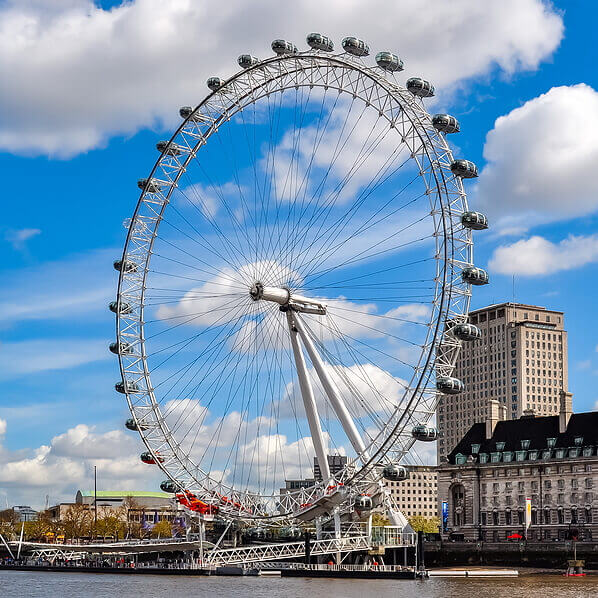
131	425
474	220
363	503
120	348
281	46
246	61
129	388
466	332
466	169
389	62
355	46
125	308
168	148
475	276
395	473
149	185
424	433
420	87
215	83
449	386
187	112
125	266
317	41
148	458
445	123
168	486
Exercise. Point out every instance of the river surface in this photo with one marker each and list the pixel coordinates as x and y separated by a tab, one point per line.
26	584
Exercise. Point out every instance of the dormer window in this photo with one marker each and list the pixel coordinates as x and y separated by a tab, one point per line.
550	442
475	449
525	444
460	459
483	457
560	453
578	440
500	446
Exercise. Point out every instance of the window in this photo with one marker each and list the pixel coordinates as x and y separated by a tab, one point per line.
525	444
508	518
550	442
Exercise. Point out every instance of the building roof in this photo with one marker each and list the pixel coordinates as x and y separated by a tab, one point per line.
534	429
511	304
124	494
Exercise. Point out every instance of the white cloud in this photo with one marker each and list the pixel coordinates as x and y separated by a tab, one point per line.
2	427
538	256
542	160
66	465
80	74
42	355
18	238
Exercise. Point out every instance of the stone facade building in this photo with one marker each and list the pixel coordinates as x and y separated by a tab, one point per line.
520	361
498	464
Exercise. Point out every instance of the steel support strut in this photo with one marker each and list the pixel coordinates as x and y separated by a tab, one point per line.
309	402
332	391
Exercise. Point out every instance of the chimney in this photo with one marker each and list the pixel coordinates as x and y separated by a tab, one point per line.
503	413
566	410
493	417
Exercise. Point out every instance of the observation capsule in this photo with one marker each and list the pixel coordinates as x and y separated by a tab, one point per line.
187	112
420	87
148	458
168	486
125	266
168	148
281	46
466	169
355	46
474	220
215	83
467	332
445	123
120	348
395	473
449	386
363	503
317	41
130	387
424	433
247	61
131	425
475	276
125	308
389	62
149	185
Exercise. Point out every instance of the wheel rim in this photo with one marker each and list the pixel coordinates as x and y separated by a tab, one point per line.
390	438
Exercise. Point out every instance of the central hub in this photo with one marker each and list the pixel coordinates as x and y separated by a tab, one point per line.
283	296
278	295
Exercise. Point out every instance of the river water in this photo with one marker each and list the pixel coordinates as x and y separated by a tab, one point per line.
25	584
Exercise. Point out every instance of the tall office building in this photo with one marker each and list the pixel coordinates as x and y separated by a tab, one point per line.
520	361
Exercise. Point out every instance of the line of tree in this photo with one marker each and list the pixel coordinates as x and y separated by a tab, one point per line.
79	522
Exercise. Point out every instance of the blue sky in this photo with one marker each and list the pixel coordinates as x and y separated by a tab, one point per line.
72	153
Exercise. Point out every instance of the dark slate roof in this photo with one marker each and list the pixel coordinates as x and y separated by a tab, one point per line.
534	429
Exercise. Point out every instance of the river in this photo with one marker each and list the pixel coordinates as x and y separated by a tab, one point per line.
26	584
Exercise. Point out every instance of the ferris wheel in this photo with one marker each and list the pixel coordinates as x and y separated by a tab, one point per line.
295	285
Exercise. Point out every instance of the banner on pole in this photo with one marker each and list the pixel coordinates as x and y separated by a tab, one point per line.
528	513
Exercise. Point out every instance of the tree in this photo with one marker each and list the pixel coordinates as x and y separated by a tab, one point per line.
162	529
130	507
419	523
378	519
77	521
